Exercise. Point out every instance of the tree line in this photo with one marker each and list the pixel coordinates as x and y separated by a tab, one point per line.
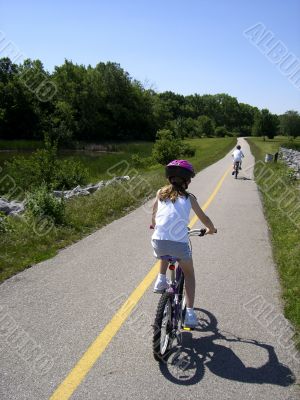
104	103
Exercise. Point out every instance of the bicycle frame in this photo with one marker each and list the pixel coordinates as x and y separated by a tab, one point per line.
176	284
174	289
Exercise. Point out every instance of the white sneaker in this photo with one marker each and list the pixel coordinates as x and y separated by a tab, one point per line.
190	320
160	285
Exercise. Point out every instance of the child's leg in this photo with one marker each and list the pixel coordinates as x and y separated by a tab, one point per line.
161	281
233	165
163	266
189	276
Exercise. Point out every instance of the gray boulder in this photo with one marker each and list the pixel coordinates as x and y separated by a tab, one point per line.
291	158
14	207
87	190
11	207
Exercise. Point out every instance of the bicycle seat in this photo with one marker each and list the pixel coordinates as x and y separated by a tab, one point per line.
169	258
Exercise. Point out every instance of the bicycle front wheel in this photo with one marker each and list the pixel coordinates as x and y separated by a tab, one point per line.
162	327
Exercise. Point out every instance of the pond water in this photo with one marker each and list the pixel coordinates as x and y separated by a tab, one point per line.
98	162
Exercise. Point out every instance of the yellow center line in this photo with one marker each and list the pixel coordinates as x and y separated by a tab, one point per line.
65	390
211	197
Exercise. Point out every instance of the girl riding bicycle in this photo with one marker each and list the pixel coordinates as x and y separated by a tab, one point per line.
170	219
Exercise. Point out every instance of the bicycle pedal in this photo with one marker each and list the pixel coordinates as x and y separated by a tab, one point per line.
185	328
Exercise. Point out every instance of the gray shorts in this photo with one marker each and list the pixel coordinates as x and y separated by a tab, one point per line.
180	250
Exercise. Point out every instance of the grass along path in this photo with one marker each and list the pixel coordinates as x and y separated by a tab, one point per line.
283	216
23	246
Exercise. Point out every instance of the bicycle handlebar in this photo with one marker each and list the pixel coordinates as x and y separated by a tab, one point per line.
192	232
197	232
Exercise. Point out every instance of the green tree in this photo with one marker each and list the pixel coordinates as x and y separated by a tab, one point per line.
181	127
246	118
195	105
104	103
227	111
63	123
192	127
169	147
206	126
221	131
290	123
265	124
8	69
23	114
174	103
18	116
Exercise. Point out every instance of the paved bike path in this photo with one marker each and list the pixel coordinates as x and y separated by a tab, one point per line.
64	303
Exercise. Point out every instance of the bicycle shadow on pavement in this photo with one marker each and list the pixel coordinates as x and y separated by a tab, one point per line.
243	178
186	362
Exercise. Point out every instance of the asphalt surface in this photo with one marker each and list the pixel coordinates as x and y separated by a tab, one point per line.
60	306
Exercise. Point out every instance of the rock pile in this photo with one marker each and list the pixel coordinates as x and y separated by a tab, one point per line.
87	190
14	207
291	158
11	207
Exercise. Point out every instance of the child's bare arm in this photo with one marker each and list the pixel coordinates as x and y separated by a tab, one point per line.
154	210
202	216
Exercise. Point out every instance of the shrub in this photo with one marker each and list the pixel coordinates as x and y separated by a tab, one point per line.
291	145
139	162
42	204
221	131
44	168
289	175
69	174
236	133
167	148
5	225
245	130
187	150
31	172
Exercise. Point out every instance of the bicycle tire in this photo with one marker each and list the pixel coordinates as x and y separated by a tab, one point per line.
159	353
182	301
181	287
236	172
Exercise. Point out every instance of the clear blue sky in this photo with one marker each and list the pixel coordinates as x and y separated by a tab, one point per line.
184	46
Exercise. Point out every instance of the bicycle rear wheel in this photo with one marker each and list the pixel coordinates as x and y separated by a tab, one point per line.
182	301
236	171
162	327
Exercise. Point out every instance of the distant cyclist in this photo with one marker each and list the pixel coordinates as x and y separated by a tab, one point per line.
237	155
170	219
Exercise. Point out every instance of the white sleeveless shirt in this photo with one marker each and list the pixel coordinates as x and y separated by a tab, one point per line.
172	219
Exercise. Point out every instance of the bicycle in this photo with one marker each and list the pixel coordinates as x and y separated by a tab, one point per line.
171	308
236	168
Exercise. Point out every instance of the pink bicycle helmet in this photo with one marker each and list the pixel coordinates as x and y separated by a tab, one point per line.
181	168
